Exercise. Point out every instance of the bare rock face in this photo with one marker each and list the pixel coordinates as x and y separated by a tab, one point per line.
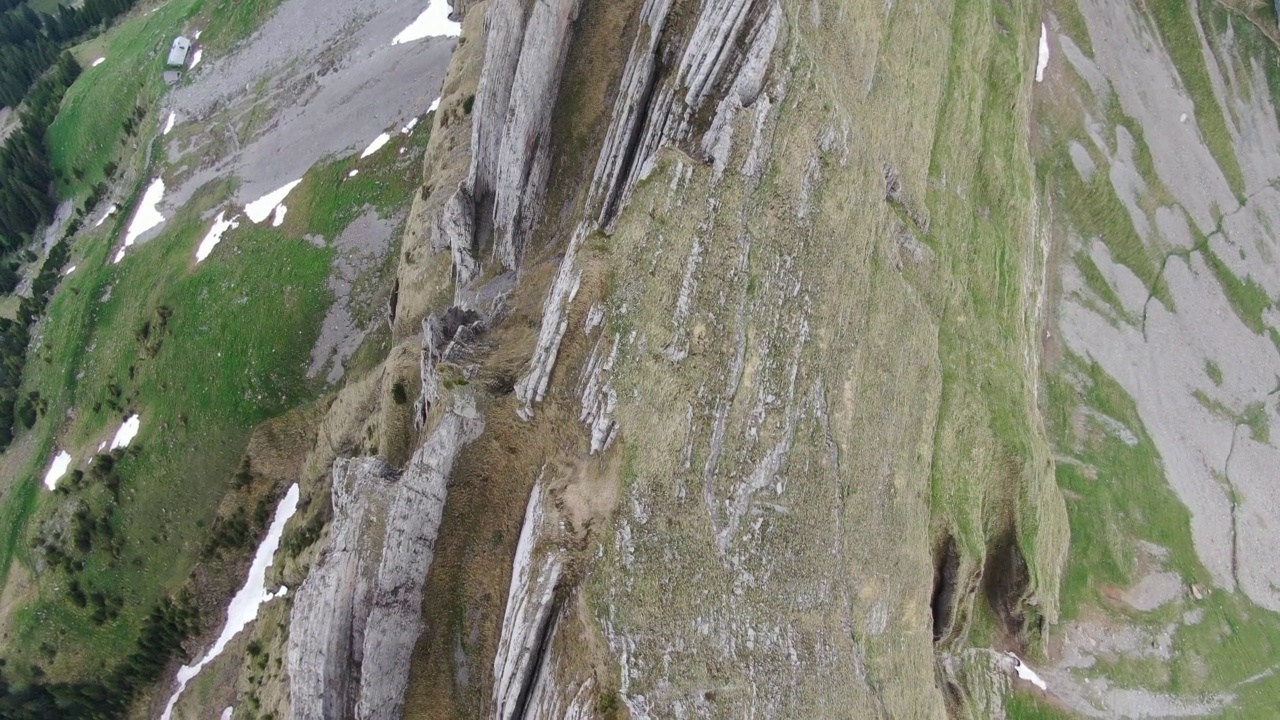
454	231
524	59
330	608
524	156
358	614
413	520
529	620
555	321
504	33
660	95
724	344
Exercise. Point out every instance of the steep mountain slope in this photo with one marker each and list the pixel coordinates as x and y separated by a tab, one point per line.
746	298
717	384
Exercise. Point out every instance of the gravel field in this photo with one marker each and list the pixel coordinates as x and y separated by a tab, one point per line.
1208	458
360	248
320	77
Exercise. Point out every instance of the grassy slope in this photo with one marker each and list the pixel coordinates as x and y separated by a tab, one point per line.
987	320
87	133
885	337
1118	495
234	354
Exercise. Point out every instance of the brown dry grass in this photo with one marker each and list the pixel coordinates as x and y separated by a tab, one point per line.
424	276
466	591
397	438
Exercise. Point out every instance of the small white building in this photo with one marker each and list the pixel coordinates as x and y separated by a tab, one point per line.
178	53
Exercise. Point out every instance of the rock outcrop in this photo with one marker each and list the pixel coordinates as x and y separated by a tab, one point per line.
530	618
330	609
412	522
730	396
661	93
524	59
455	231
357	615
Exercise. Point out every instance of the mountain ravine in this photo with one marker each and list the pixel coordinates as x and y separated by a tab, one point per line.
815	358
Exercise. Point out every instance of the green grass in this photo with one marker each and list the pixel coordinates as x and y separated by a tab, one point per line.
1233	642
990	457
44	6
1255	418
1248	42
16	512
1098	284
327	200
88	131
1118	495
1094	209
234	354
1248	299
1213	371
1177	29
1073	24
1128	500
1024	705
235	20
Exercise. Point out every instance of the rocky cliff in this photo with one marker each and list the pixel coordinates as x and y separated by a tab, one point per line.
730	368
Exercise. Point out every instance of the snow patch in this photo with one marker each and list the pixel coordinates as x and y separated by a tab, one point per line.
110	211
69	271
214	236
61	462
259	209
409	126
376	145
244	606
97	62
226	713
354	172
195	58
168	124
1026	673
278	220
1042	62
146	217
127	432
435	104
433	22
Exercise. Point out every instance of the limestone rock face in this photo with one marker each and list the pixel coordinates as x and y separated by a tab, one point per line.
331	607
357	616
455	232
657	102
715	390
524	155
530	616
413	520
524	58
